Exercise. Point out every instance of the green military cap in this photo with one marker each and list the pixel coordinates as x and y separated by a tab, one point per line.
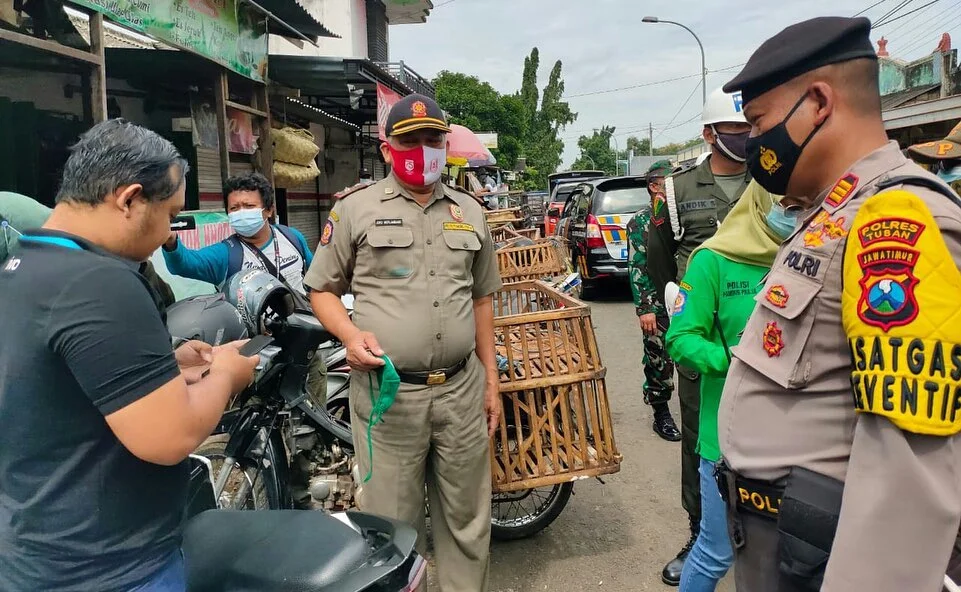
801	48
661	168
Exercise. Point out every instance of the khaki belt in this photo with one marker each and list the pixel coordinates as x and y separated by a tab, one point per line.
433	377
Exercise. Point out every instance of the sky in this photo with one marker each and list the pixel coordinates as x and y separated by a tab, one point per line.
604	46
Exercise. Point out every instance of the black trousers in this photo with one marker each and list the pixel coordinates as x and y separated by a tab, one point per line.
689	396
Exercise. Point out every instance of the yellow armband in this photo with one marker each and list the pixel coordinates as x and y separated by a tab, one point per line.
901	309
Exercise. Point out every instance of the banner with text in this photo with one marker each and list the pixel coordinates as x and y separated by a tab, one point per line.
231	35
386	99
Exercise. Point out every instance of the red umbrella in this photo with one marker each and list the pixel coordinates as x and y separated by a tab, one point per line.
466	148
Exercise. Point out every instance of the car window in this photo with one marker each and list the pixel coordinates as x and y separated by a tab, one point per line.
582	203
625	200
565	196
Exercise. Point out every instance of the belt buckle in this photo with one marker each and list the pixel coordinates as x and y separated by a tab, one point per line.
435	378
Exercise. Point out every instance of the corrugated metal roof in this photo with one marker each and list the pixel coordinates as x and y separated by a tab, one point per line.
899	98
297	16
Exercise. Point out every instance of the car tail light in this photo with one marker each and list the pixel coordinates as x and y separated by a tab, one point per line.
595	240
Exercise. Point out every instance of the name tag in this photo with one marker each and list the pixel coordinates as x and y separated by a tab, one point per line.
458	226
699	204
389	222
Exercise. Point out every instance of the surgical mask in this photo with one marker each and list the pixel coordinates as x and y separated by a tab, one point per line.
733	146
772	156
247	222
389	383
418	167
782	222
950	174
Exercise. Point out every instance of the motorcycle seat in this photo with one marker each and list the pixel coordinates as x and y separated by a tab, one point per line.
269	550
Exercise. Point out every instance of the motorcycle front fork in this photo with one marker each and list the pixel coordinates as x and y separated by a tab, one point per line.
239	497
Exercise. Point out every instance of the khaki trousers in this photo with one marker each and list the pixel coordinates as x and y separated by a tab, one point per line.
433	435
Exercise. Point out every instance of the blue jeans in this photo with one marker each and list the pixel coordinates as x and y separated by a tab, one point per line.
712	555
171	578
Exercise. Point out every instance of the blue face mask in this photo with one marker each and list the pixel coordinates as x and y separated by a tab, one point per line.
950	174
247	222
782	223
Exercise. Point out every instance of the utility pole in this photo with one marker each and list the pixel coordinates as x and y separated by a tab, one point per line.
650	139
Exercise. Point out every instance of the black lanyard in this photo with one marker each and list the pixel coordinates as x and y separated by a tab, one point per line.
272	269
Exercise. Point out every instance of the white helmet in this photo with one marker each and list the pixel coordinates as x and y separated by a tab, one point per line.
722	107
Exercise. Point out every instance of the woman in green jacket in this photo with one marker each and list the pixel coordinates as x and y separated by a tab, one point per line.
710	312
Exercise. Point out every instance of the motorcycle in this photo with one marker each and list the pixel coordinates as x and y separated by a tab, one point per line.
302	551
275	448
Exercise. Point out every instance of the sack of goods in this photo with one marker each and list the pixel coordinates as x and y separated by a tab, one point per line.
288	175
294	146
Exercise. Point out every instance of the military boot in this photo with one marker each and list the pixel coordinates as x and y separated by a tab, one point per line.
671	574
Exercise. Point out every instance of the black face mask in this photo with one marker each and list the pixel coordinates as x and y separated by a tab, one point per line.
772	156
733	146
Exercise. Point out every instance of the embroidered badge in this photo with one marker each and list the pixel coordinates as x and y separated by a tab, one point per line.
842	190
456	213
679	301
887	287
328	233
823	228
685	286
802	263
772	340
777	295
458	226
899	230
769	160
409	165
333	216
418	109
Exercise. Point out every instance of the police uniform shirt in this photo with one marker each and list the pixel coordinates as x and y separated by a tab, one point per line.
788	399
414	271
84	338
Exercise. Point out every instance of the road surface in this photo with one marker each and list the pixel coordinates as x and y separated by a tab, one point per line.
614	537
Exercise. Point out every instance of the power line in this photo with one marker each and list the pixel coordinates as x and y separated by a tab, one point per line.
901	16
860	12
684	104
924	38
893	11
917	13
646	84
936	17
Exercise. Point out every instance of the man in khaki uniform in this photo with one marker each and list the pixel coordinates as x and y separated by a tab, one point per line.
419	260
840	414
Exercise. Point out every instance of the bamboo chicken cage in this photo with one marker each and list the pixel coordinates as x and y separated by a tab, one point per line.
556	426
530	262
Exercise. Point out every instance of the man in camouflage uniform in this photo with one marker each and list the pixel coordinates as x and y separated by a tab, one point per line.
658	367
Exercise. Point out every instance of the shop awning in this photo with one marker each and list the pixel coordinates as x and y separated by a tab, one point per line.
406	12
293	13
345	88
302	110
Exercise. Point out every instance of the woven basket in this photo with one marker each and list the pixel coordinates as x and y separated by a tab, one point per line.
294	146
291	175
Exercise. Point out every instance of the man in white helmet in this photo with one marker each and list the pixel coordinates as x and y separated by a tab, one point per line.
694	203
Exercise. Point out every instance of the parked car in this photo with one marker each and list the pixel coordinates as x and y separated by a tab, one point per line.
571	176
594	221
558	198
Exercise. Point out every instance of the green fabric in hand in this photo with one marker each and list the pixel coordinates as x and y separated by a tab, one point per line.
389	383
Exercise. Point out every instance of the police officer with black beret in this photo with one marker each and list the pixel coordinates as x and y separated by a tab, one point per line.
840	417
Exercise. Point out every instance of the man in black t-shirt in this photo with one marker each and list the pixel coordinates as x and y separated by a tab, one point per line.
97	413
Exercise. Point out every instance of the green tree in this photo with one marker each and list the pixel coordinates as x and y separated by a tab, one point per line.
478	106
641	147
596	152
543	146
675	147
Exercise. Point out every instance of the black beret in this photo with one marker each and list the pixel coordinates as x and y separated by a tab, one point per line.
415	112
800	48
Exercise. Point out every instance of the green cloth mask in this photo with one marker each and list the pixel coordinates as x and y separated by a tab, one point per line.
389	382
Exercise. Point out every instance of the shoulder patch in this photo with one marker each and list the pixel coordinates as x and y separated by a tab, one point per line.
899	311
328	233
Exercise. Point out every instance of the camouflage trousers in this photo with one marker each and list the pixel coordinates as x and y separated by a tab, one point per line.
658	367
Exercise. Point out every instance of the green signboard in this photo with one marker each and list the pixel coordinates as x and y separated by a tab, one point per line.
224	31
